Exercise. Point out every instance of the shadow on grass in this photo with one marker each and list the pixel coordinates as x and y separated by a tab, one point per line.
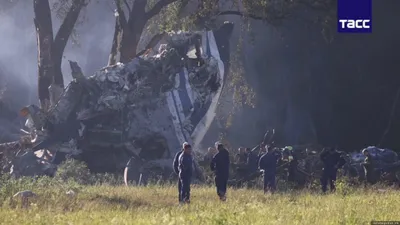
116	201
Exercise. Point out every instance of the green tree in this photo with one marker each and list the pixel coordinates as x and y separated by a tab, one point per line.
129	26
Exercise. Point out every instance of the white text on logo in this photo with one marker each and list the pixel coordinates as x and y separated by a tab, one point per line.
359	24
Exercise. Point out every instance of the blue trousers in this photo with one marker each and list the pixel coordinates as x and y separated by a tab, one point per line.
328	176
221	182
185	188
269	181
180	190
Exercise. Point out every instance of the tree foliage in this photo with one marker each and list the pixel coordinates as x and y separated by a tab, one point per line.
131	21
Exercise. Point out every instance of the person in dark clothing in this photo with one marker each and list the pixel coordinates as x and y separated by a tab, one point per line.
241	157
252	162
332	161
176	168
262	152
268	163
368	166
185	172
293	163
220	166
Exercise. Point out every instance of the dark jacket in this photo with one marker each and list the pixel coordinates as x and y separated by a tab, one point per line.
220	163
176	162
252	162
185	165
332	159
268	161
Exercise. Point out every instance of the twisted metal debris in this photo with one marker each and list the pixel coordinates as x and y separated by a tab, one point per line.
139	112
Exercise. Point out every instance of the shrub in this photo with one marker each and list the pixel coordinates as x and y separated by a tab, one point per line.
75	170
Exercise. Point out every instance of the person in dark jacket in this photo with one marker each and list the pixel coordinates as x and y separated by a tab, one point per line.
252	162
332	161
176	168
220	166
268	163
261	152
185	172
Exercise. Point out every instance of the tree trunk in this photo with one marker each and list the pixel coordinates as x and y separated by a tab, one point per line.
50	52
62	37
132	31
44	34
128	45
128	31
113	58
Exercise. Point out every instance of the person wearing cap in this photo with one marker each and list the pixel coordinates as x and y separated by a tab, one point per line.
220	166
332	161
268	163
176	168
185	173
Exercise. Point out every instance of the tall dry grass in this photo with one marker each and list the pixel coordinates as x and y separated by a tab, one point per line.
107	204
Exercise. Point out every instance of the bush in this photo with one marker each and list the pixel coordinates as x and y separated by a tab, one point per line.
73	170
78	172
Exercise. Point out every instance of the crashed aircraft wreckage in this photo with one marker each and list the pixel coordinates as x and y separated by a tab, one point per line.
386	164
140	112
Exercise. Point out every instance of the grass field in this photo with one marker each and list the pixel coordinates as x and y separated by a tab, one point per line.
158	205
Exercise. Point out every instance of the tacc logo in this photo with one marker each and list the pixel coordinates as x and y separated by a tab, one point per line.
354	16
357	24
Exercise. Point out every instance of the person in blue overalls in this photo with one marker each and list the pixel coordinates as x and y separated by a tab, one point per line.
185	172
268	163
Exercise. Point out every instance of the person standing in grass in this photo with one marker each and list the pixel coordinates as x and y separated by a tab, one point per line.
268	163
332	161
185	172
176	169
220	166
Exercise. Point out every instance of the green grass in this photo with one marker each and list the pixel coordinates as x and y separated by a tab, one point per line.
158	205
